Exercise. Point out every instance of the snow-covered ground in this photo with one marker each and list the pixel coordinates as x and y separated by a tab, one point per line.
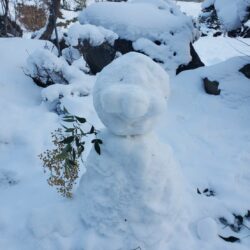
214	50
190	8
210	137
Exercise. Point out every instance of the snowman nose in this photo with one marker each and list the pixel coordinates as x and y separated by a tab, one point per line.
127	101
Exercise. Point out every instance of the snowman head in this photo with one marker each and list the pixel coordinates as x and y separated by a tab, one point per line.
130	94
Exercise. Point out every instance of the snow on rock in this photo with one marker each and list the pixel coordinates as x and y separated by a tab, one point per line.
207	229
129	102
136	183
95	35
157	28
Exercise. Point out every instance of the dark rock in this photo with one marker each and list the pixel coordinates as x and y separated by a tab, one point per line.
97	57
157	42
193	64
234	33
218	33
211	87
246	70
124	46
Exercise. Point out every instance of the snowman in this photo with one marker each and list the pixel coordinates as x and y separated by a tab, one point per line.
131	194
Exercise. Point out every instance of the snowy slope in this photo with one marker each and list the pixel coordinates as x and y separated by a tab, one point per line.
209	134
210	137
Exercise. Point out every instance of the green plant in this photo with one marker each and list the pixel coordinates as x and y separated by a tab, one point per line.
62	161
239	223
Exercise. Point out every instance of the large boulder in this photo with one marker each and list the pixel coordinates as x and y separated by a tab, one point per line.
125	27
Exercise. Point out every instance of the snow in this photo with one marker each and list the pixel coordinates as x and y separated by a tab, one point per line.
95	35
190	8
128	102
167	25
207	229
214	50
207	135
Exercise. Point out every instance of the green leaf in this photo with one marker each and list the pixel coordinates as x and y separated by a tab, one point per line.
74	154
69	120
80	119
97	148
68	117
65	110
69	130
231	239
80	150
223	221
67	140
97	141
71	163
77	142
92	130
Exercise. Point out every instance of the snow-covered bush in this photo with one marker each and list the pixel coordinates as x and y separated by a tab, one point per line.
74	4
225	15
155	28
57	77
46	69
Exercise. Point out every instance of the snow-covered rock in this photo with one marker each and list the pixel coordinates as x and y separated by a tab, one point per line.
93	34
129	194
157	28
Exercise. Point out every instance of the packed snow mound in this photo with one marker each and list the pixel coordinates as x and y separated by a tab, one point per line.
157	28
95	35
231	13
130	101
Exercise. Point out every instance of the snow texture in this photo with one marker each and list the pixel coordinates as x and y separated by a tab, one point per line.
95	35
210	137
165	36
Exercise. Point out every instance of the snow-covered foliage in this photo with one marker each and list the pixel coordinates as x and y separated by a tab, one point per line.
46	69
165	36
231	13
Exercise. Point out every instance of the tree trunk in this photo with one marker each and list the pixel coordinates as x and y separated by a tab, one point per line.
54	10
